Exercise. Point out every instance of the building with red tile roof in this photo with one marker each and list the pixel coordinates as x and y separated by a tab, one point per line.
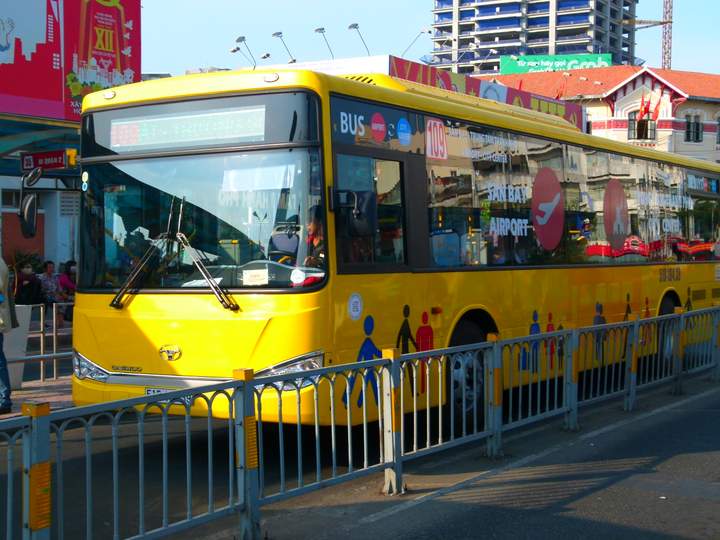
671	110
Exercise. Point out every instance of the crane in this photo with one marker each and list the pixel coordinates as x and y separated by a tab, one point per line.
667	34
666	23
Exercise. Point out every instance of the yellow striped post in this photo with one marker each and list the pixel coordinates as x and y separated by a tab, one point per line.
632	367
251	447
572	369
679	356
494	376
392	423
716	347
37	472
246	454
497	381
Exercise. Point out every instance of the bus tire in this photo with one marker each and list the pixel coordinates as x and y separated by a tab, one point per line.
668	304
461	373
666	338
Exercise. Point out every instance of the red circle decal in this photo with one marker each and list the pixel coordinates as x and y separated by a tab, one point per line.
378	127
615	214
547	209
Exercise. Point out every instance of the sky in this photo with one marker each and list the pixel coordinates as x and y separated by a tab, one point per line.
188	34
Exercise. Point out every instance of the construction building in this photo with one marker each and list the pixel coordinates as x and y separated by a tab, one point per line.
469	36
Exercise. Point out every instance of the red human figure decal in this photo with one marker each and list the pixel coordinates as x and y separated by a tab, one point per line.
550	328
424	342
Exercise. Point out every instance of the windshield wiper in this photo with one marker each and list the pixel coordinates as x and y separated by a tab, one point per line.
219	292
139	270
140	267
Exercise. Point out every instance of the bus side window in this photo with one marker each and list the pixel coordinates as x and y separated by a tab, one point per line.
369	211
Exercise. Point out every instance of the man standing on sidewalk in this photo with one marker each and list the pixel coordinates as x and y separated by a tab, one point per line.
7	323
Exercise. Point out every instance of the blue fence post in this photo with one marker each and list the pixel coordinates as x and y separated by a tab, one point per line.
392	424
246	455
631	367
570	395
715	347
494	375
37	483
679	352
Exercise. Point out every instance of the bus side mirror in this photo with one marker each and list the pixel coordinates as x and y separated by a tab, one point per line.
31	178
29	203
28	215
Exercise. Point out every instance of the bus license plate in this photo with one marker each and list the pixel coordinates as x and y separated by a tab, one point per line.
187	400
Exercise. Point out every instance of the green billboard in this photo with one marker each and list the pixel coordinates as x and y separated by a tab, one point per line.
557	62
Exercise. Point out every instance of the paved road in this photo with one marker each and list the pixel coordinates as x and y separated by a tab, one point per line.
652	474
654	478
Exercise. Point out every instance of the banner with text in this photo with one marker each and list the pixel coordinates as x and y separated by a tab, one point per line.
557	62
52	53
446	80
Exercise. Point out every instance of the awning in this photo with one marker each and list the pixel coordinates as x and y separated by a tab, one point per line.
26	140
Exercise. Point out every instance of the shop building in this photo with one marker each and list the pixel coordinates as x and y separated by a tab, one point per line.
470	36
670	110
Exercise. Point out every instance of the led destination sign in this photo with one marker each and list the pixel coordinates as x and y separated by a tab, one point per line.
241	125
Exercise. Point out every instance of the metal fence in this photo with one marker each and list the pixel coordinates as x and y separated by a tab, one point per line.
534	370
154	465
45	329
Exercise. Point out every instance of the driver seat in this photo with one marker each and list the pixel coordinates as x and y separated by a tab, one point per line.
284	241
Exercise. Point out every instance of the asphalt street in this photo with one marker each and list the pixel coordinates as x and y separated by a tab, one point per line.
653	473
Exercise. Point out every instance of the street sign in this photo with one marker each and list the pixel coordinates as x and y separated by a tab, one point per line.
55	159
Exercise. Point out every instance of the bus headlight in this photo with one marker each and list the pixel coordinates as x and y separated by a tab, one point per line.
296	366
85	369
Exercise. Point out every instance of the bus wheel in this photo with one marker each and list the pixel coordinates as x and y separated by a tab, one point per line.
666	336
465	376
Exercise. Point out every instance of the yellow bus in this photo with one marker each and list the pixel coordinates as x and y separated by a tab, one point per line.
283	221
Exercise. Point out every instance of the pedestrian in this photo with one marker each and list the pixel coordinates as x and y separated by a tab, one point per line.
29	288
7	323
51	288
67	285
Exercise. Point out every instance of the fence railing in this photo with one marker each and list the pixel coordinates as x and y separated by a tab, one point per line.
44	327
158	464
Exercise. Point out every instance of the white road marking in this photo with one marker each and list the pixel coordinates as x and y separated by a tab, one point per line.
643	416
527	459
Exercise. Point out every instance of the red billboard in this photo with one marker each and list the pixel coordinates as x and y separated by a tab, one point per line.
53	52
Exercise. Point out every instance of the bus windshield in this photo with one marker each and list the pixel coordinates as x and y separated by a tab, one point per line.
253	217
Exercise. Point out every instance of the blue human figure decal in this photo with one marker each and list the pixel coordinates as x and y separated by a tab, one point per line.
534	348
368	351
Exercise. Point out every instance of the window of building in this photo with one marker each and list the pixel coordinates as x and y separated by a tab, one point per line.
693	128
11	198
640	129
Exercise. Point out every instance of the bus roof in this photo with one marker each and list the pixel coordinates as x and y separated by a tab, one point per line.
376	87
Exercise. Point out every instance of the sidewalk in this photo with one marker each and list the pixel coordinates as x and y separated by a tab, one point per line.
56	392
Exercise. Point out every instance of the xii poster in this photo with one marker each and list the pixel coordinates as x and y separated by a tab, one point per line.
54	52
